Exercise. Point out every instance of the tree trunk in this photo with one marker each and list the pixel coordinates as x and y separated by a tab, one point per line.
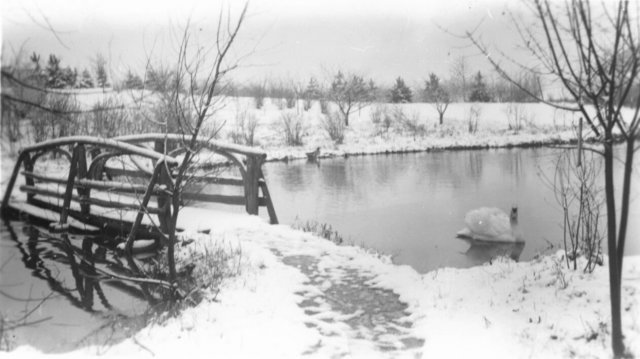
626	192
441	118
614	273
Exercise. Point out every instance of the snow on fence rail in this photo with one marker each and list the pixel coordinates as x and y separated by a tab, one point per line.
100	201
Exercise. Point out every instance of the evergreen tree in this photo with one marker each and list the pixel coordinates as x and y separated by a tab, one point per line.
133	81
159	79
479	92
35	59
312	92
54	73
400	93
100	64
69	77
86	81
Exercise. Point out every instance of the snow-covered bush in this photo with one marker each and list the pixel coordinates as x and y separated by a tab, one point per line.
63	114
381	119
410	123
472	118
517	116
335	127
244	130
324	106
109	119
291	125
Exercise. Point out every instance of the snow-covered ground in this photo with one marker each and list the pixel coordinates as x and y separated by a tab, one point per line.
297	295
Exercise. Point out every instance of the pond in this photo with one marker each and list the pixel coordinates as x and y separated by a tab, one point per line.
411	205
53	291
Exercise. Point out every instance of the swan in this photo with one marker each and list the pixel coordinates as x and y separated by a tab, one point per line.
491	225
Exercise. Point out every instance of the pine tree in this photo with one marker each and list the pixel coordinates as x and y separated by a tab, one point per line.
312	92
479	92
69	77
100	64
400	93
133	81
86	81
54	73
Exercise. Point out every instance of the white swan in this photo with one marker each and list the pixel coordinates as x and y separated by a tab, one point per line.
491	225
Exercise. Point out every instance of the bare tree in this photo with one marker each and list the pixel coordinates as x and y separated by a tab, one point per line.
198	80
350	93
593	51
437	95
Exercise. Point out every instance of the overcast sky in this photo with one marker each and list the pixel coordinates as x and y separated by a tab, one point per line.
285	38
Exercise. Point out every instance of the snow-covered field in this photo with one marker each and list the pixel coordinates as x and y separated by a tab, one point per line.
297	295
538	124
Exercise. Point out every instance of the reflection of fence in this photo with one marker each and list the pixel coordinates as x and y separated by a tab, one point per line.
90	195
89	265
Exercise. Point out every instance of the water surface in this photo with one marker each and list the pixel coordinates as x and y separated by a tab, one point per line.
50	289
412	205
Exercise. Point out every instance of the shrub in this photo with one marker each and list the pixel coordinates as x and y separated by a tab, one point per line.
381	119
64	114
581	198
290	99
410	124
39	128
517	116
258	92
245	128
109	119
324	106
472	118
335	127
323	230
292	127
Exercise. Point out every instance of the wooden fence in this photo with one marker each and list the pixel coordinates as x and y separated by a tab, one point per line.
94	187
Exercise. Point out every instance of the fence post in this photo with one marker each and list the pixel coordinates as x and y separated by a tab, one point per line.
28	166
71	179
273	218
82	173
164	201
12	180
251	184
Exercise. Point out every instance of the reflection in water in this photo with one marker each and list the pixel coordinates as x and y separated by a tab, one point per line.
73	269
294	178
481	252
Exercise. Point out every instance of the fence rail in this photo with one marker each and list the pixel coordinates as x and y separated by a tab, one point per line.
92	186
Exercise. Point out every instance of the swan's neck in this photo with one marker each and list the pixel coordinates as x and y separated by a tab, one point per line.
514	218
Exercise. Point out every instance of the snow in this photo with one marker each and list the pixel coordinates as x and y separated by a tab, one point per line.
499	310
298	295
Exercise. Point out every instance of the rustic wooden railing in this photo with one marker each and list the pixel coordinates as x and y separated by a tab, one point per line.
92	179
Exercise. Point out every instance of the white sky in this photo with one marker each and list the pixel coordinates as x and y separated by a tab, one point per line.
285	38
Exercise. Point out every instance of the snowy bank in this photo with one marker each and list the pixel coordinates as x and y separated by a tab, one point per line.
466	125
294	294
